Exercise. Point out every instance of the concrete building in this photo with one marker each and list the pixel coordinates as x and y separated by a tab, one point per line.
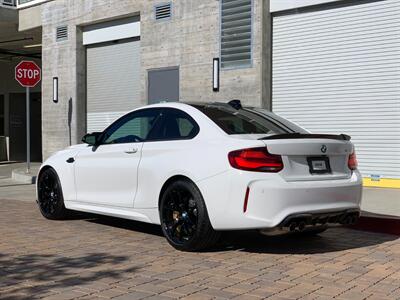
110	57
332	66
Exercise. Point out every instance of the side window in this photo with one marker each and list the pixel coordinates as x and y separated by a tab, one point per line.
176	125
185	127
134	127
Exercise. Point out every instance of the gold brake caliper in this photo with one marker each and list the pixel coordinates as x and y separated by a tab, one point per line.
175	215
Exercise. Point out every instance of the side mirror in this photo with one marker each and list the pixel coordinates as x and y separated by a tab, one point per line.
91	139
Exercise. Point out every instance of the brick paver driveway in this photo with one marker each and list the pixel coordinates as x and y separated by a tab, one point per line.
97	257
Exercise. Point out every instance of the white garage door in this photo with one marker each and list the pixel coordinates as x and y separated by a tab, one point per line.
337	70
112	70
113	82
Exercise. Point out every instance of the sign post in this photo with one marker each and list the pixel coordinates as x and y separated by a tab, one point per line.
28	74
28	131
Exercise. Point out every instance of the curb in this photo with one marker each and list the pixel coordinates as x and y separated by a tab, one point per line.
379	224
20	175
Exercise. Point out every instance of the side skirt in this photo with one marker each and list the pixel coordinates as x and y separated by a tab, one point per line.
148	215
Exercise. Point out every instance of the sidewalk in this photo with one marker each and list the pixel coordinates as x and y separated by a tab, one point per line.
377	202
6	168
13	190
381	201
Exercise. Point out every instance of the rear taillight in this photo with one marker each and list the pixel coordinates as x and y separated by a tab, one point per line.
255	159
352	163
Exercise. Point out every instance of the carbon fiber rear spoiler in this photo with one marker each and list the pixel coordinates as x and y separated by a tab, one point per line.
296	135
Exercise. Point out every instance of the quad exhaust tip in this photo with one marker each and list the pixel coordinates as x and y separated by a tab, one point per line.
305	222
351	220
294	226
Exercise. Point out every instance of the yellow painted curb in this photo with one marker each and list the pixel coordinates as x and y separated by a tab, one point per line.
382	182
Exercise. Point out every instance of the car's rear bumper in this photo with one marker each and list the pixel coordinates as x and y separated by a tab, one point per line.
272	200
344	217
301	222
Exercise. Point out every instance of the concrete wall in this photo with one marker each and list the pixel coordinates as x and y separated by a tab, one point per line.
30	18
8	15
190	40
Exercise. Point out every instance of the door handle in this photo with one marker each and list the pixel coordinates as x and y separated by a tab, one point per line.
132	151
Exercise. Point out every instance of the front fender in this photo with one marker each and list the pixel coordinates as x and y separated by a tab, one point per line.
65	170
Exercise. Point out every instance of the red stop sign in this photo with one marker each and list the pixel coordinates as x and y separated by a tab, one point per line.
27	73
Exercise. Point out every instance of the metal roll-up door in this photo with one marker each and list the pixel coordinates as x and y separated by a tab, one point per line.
337	70
113	81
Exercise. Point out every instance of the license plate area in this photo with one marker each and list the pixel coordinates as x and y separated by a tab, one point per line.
319	165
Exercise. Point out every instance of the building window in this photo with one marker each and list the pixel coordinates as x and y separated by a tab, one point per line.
236	33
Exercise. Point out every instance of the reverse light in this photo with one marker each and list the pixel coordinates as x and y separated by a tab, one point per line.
255	159
352	163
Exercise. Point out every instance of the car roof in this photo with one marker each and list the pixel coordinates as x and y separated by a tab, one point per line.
182	104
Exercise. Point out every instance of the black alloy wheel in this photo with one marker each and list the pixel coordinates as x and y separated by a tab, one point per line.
180	215
184	217
50	196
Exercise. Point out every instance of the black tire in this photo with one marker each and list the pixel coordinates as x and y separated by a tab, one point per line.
50	196
184	218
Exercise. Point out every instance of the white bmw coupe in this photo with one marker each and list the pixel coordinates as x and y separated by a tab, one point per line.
199	169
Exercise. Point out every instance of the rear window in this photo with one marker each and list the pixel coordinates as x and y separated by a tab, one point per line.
284	122
242	121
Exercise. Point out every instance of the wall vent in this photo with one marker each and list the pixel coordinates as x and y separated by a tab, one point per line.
236	33
61	33
163	11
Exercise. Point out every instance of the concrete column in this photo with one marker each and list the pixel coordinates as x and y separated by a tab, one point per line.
266	61
58	60
79	115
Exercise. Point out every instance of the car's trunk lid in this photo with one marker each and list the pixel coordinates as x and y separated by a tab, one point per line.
311	156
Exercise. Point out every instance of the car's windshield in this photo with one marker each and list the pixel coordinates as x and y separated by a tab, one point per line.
244	121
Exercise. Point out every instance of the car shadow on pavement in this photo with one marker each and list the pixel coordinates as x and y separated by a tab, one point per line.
335	239
332	240
32	276
127	225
